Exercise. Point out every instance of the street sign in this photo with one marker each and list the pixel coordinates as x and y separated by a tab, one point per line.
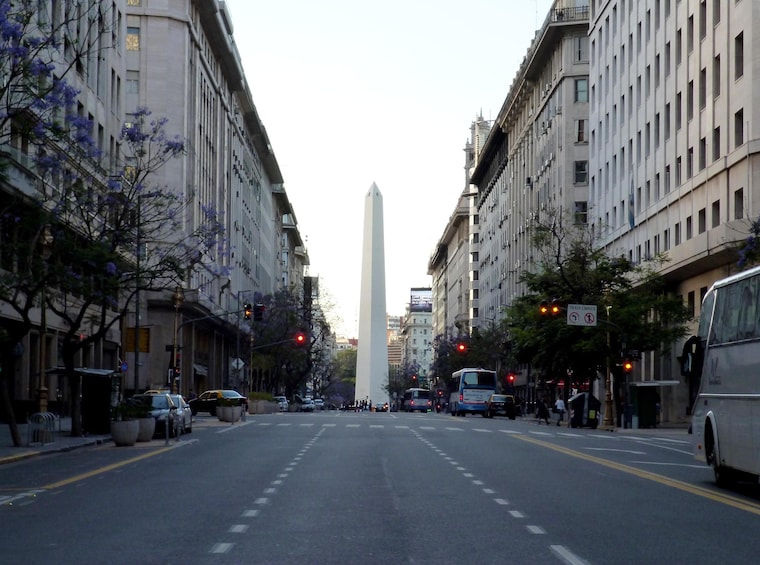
238	364
581	314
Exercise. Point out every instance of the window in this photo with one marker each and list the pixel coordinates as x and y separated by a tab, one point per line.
739	56
716	12
667	121
702	154
715	214
677	233
716	144
581	172
739	128
581	90
133	82
690	100
739	204
702	220
678	47
689	228
678	111
690	34
581	212
133	39
702	19
581	48
702	89
716	76
580	131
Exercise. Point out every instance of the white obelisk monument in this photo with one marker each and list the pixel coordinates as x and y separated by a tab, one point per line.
372	357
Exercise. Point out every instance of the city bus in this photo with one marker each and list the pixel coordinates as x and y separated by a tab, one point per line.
722	360
417	399
469	389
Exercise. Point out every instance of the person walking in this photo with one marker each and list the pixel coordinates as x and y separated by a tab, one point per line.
559	407
542	412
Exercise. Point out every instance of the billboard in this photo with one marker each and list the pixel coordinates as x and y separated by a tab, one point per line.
421	300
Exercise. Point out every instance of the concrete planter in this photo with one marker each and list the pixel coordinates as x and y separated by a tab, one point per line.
229	413
147	428
124	432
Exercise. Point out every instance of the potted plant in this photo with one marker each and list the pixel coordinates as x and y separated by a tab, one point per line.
125	426
146	420
228	410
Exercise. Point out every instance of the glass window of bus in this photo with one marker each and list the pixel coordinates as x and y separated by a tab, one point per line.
706	315
747	311
479	378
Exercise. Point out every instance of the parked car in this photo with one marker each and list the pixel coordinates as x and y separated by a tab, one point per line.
503	404
209	400
307	405
282	403
319	404
162	405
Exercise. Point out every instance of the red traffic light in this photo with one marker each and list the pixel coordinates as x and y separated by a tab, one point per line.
511	378
300	338
461	347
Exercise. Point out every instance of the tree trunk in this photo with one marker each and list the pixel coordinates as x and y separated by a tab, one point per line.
7	409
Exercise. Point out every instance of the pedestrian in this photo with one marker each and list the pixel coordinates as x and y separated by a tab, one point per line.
559	407
542	412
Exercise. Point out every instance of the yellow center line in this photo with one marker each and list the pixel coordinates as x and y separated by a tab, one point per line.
686	487
88	474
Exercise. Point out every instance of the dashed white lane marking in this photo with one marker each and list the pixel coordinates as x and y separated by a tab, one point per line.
455	429
631	451
516	514
250	513
262	500
270	490
221	547
238	529
488	491
511	432
427	428
567	556
501	501
481	430
535	529
353	425
377	425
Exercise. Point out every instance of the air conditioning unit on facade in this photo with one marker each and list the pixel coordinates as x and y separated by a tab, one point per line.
559	109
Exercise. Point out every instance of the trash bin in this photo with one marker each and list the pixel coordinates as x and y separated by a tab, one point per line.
584	410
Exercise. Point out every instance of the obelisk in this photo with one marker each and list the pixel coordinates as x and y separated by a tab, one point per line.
372	356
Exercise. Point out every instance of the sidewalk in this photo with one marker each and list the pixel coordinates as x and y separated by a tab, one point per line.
63	441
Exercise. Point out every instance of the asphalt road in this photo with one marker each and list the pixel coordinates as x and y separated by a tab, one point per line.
335	487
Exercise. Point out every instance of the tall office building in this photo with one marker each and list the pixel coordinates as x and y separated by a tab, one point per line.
372	357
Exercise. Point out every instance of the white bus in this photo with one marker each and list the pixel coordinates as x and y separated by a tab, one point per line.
469	389
417	399
723	359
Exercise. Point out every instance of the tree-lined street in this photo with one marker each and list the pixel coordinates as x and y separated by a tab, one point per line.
344	487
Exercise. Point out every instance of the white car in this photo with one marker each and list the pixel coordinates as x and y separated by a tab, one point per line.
282	403
319	404
307	405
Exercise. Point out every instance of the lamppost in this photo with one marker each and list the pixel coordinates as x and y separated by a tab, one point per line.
46	240
608	417
174	370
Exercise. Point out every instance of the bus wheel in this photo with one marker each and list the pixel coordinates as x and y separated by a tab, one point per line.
723	475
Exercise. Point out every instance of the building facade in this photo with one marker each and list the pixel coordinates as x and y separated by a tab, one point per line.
183	64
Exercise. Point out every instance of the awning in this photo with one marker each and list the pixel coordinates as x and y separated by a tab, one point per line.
655	383
84	371
201	370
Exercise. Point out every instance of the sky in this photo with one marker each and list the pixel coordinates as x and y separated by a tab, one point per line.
355	92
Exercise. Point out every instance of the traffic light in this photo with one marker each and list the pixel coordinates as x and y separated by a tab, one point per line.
300	337
543	308
555	307
258	312
511	379
247	308
627	366
461	348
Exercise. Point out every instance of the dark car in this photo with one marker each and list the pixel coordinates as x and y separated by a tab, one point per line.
382	407
500	404
209	400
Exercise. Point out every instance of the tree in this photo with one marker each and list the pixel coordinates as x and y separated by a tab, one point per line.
637	309
37	104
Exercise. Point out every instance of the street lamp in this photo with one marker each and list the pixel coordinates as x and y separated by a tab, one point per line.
174	371
608	418
46	240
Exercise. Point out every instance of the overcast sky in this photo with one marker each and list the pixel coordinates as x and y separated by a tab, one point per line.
353	92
